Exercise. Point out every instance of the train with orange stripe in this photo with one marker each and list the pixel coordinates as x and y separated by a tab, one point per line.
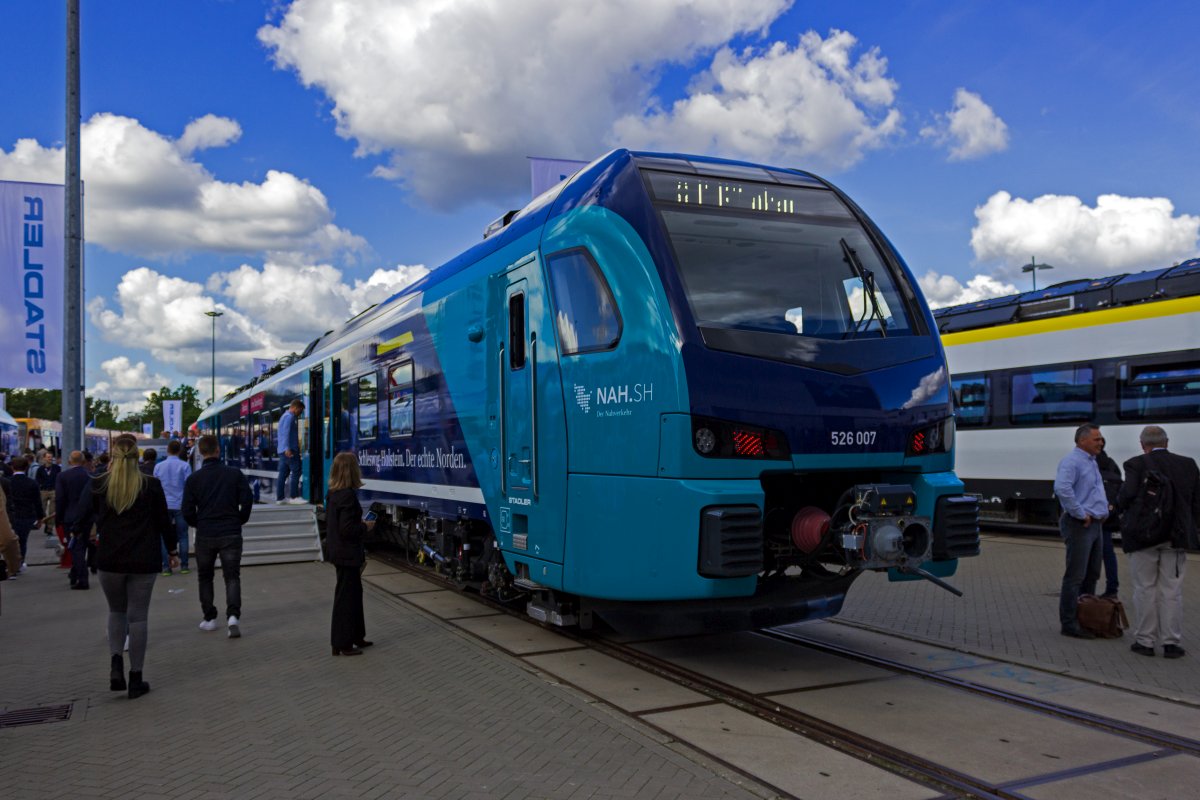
1028	369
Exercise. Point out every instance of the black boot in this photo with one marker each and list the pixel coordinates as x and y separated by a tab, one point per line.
137	686
116	678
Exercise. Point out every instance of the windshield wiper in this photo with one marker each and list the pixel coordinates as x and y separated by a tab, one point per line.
868	281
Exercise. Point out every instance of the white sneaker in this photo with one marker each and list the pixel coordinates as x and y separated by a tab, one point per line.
24	567
208	625
298	501
234	630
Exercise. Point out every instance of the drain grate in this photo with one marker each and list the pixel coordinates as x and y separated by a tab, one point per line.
35	716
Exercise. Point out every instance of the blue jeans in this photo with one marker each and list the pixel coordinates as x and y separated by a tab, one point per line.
1082	568
229	548
181	532
288	465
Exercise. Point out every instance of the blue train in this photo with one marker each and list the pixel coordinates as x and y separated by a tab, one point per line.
674	392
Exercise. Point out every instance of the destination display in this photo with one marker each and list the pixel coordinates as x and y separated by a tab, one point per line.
732	195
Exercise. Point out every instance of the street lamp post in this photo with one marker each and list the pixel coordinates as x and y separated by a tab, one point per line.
214	315
1033	267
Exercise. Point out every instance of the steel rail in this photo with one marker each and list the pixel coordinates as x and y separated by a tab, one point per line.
1130	730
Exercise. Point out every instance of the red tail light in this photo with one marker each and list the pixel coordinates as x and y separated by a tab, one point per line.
715	438
748	443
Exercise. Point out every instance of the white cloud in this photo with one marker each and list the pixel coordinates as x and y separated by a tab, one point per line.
316	298
811	103
270	312
971	129
165	315
458	93
145	195
126	384
946	290
209	131
1118	234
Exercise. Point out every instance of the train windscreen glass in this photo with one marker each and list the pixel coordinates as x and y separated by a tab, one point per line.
779	259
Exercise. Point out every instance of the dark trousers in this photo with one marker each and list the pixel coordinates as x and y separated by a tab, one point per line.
21	527
348	624
229	548
1083	565
79	565
1110	563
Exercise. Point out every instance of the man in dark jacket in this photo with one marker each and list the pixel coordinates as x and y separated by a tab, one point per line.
1157	570
217	502
26	502
1110	474
47	473
72	504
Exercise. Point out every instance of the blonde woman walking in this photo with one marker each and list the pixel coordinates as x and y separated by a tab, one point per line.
344	532
130	512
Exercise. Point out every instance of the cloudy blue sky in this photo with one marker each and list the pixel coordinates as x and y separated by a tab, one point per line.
292	162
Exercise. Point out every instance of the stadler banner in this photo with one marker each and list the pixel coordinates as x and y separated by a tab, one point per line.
31	285
172	416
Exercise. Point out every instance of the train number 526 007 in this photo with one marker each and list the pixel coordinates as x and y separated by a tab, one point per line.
851	438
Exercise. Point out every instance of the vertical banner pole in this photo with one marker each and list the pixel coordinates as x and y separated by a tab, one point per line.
72	396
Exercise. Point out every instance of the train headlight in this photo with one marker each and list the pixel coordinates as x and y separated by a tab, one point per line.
716	438
936	438
705	441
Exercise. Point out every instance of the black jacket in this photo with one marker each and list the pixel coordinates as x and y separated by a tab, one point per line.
1110	474
72	500
1185	485
46	476
26	498
131	542
344	528
217	500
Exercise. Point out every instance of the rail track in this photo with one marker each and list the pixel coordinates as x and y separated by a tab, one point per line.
941	777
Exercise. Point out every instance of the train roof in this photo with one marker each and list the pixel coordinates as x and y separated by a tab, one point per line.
1074	297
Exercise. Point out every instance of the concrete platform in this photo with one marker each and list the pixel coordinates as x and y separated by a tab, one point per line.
428	712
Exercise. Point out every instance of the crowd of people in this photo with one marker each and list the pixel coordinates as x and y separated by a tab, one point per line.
125	518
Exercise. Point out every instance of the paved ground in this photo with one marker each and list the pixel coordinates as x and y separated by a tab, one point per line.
432	712
1010	611
426	713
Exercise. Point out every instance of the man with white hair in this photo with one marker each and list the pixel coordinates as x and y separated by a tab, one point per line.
1157	568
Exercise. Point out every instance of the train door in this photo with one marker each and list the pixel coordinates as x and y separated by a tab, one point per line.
316	434
533	448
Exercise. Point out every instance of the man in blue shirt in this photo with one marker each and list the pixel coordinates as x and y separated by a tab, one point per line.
172	472
1080	491
288	451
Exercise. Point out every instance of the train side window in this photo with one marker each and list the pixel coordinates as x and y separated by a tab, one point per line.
585	313
368	406
400	399
1161	391
972	400
1066	394
516	331
342	432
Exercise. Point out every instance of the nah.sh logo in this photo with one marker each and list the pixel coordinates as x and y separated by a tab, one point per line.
583	397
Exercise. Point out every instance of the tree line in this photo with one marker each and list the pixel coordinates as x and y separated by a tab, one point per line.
47	404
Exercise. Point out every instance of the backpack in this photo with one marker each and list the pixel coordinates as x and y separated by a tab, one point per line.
1149	517
1102	616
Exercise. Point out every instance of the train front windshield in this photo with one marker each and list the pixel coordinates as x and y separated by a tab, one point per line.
778	259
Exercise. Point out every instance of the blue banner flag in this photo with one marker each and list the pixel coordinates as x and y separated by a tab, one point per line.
31	285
